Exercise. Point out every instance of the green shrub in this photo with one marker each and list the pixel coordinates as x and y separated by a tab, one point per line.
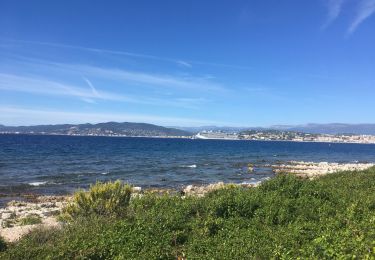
103	199
285	218
31	219
3	245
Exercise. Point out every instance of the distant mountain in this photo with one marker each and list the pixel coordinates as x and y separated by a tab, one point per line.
143	129
108	129
335	128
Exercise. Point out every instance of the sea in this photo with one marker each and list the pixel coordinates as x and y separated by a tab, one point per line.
55	165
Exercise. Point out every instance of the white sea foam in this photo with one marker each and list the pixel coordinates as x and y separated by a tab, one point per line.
37	183
104	173
189	166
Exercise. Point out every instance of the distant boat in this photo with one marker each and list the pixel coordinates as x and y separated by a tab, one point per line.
216	136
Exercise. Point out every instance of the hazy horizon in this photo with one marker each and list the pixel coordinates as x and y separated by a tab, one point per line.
208	126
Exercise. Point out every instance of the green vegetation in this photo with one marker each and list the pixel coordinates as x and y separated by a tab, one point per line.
103	199
31	219
3	245
284	218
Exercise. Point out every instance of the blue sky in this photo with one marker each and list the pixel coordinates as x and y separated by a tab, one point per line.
187	63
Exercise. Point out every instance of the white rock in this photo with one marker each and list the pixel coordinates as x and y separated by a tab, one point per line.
136	189
188	188
7	215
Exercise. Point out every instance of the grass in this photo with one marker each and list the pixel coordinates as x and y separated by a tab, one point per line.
3	245
284	218
31	219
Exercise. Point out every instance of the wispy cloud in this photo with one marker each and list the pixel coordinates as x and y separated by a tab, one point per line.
41	86
203	84
184	64
366	8
150	79
93	89
47	87
334	8
97	50
179	62
26	116
94	84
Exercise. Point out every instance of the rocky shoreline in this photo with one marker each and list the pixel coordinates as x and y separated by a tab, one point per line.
315	169
18	218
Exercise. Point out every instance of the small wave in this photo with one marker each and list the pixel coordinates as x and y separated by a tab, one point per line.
37	183
104	173
54	183
189	166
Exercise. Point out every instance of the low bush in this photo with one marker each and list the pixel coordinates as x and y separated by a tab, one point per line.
284	218
3	244
102	199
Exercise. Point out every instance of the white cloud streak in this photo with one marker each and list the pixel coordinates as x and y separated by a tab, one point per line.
40	86
93	89
366	8
179	62
334	8
184	64
29	116
148	79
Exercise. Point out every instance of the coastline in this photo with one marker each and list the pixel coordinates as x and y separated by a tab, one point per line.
46	209
304	169
225	216
188	138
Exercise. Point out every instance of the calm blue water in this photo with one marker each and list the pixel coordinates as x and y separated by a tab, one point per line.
61	164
